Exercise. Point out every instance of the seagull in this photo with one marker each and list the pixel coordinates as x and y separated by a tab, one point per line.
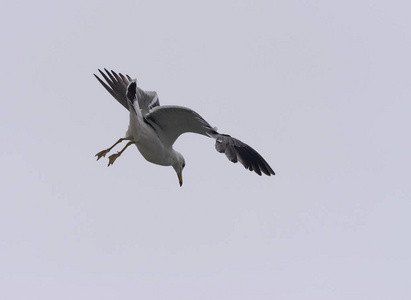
154	128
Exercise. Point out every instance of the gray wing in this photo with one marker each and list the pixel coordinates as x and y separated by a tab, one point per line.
146	100
120	87
172	121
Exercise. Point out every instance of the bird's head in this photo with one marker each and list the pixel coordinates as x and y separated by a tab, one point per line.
179	166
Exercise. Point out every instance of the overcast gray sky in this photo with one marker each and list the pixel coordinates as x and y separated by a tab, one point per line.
322	90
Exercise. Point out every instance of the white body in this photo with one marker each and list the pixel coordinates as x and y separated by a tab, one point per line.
147	140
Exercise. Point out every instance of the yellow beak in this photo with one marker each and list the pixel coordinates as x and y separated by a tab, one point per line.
180	178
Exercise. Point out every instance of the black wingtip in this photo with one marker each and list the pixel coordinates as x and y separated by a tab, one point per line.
235	150
131	91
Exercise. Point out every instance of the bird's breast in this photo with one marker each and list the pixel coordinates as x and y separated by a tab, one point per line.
153	150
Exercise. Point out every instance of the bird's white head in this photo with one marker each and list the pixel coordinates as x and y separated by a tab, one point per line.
179	166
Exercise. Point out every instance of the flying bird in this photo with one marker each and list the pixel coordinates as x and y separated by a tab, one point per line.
154	128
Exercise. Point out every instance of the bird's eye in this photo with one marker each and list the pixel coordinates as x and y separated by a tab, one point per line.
184	165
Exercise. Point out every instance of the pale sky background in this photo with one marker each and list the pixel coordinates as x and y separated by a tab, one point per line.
321	89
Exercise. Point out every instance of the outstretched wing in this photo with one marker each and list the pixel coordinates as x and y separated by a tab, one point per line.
172	121
119	86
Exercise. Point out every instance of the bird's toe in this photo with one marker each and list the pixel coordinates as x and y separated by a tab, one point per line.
112	158
102	154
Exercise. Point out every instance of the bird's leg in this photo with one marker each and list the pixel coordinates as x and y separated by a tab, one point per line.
104	152
113	157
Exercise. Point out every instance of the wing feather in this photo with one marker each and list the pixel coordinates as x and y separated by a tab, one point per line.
235	150
171	121
117	85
